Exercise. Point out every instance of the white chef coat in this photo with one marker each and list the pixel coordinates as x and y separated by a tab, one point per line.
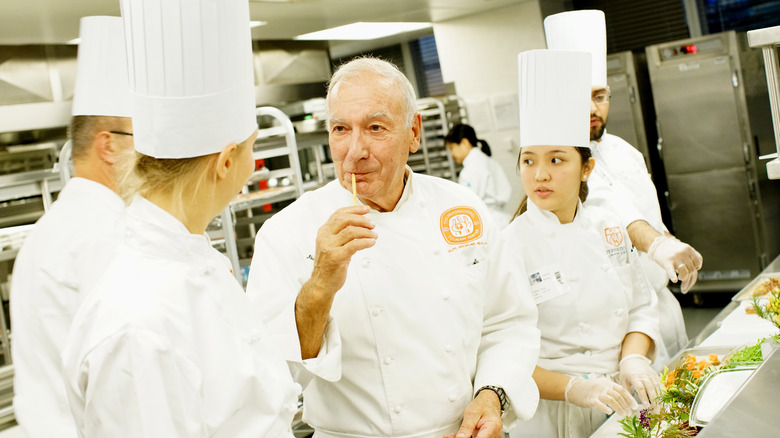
423	322
484	176
590	291
620	174
64	253
165	344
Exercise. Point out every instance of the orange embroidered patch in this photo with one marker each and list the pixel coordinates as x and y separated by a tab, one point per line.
461	225
614	236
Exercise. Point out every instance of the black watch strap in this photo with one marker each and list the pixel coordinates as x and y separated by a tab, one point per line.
502	398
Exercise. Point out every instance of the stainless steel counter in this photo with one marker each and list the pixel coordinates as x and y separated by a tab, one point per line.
752	412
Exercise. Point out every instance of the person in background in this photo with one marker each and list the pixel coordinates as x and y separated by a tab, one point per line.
438	335
165	344
75	240
621	181
596	312
480	172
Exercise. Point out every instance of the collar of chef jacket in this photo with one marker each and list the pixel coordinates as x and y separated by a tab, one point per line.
405	195
82	188
547	221
473	156
154	230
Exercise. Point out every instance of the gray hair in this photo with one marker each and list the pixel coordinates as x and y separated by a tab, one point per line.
385	69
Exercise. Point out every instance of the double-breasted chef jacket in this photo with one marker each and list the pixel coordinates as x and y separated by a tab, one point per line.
166	345
621	175
67	250
427	315
590	292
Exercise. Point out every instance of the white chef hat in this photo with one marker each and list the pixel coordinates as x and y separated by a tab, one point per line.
101	74
191	76
554	98
584	30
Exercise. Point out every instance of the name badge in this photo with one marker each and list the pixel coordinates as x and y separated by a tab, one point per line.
546	284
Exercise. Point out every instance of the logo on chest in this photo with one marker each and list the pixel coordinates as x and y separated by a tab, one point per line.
460	225
614	236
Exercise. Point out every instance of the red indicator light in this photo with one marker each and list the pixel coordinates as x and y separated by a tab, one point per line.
689	49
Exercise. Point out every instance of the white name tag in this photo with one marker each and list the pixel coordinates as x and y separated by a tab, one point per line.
546	283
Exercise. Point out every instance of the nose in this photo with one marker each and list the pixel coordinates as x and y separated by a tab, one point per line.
358	149
541	173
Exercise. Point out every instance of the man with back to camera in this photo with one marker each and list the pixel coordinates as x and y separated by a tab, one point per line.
621	178
72	243
437	338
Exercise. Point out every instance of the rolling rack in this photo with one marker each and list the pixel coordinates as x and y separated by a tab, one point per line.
267	191
438	116
768	39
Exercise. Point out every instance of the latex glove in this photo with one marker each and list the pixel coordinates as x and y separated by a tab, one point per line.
677	257
636	373
600	393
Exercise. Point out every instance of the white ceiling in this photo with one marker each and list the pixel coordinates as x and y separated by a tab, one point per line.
56	21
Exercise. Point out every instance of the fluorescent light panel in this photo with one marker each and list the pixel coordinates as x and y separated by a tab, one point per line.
363	31
253	24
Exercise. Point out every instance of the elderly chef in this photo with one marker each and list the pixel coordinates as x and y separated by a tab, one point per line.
621	175
77	237
596	312
480	173
438	335
165	344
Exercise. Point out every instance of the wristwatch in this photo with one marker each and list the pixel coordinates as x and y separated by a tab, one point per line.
502	398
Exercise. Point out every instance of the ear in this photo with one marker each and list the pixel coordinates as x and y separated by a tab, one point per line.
416	132
226	160
588	168
104	147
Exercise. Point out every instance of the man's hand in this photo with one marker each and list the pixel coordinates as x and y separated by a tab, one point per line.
482	418
346	232
679	259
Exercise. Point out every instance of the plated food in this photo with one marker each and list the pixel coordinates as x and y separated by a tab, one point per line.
760	287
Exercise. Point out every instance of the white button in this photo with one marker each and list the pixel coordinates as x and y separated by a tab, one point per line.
619	312
397	409
376	311
448	348
436	252
452	397
605	267
291	408
366	263
445	296
298	389
388	360
587	353
584	327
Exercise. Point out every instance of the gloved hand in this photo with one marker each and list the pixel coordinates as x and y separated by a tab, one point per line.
636	372
677	258
600	393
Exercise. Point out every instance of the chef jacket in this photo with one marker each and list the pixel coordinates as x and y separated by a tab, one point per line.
621	174
165	344
484	176
427	315
69	247
588	286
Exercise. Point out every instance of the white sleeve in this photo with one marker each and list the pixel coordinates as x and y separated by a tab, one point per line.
510	342
275	278
643	316
136	384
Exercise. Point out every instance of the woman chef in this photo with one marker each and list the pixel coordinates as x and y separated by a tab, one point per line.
480	173
595	312
165	344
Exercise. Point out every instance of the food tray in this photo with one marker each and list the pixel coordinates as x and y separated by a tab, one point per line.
747	292
715	392
700	353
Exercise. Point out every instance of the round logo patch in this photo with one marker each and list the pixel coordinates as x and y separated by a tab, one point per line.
461	225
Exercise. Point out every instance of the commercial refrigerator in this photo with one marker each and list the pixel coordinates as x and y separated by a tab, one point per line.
713	122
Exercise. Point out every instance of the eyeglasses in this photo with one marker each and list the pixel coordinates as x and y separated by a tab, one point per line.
121	133
601	98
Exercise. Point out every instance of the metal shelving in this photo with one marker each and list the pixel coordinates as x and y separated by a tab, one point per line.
438	116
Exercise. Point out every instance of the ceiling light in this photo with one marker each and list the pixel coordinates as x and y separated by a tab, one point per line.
253	24
74	41
363	31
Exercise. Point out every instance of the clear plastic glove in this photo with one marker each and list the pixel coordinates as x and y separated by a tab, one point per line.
679	260
600	393
636	373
